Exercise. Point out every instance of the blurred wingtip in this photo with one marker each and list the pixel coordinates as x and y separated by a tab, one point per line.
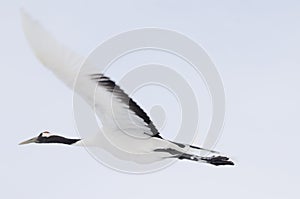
49	51
24	14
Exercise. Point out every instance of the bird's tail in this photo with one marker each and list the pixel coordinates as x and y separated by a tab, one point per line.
214	160
193	154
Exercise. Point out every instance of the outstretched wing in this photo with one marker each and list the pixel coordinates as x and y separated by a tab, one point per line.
116	110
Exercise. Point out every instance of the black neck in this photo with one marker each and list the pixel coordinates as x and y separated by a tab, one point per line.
57	139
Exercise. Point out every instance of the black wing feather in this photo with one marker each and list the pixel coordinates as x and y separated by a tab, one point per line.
112	87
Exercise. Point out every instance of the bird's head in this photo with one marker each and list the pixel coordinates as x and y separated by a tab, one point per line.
46	137
41	138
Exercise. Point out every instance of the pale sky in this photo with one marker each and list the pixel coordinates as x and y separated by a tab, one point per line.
255	45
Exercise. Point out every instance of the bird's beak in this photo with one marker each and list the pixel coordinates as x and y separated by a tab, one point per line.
32	140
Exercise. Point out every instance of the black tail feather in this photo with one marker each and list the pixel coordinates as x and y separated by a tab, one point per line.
217	160
214	160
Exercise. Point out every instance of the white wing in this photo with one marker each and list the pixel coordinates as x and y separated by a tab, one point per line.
113	106
60	60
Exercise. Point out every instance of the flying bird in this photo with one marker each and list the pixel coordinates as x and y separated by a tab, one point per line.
127	132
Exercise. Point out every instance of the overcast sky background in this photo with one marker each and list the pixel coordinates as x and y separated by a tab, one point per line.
255	46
